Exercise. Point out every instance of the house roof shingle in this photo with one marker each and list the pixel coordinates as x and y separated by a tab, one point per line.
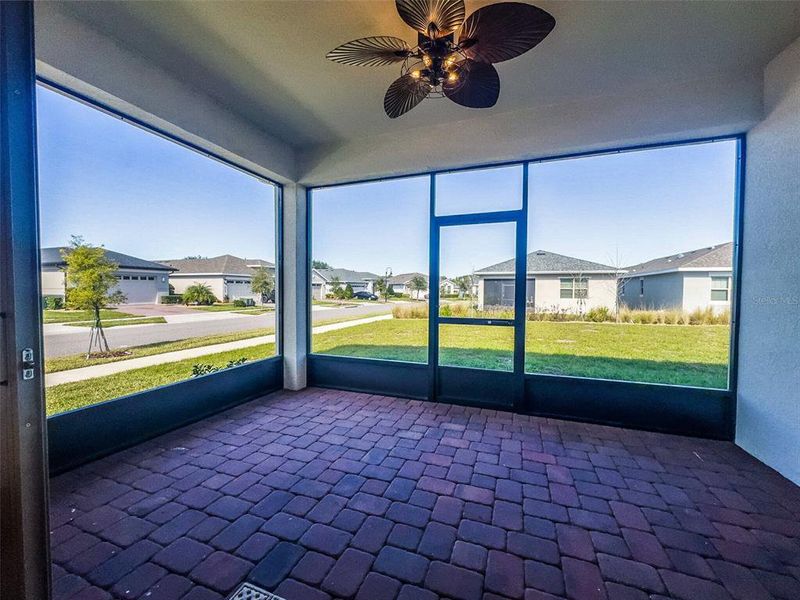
713	258
226	264
541	261
345	275
51	257
403	278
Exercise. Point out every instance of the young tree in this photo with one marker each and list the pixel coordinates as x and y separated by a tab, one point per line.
348	292
417	284
464	285
90	277
263	284
381	287
199	293
336	287
320	264
621	278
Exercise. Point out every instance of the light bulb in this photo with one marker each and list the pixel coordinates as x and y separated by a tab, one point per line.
452	77
415	74
427	60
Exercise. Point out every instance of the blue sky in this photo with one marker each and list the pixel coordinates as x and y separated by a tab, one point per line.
139	194
134	192
617	209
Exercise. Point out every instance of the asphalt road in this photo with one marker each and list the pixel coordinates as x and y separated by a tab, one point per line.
119	337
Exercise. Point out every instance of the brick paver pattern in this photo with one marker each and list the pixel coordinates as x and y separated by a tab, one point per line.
325	494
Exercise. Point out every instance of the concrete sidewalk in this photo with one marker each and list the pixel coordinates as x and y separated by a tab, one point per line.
51	379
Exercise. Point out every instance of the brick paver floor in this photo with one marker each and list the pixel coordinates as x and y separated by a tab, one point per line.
323	494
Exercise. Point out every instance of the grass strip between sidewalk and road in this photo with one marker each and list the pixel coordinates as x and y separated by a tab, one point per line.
119	322
77	361
229	307
69	316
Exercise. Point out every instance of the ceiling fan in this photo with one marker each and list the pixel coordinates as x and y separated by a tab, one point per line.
441	64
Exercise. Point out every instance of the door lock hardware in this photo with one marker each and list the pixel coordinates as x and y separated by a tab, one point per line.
28	364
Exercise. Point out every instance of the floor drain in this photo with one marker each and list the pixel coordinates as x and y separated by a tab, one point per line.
248	591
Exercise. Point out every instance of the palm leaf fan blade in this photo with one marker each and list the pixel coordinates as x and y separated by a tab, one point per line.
404	94
373	51
477	86
503	31
434	18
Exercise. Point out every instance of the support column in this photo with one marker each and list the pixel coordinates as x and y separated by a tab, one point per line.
24	551
295	286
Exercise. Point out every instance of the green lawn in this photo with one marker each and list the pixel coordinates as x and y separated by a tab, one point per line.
69	396
120	322
76	361
68	316
694	355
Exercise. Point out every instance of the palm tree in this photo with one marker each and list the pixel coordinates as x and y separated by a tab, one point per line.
417	284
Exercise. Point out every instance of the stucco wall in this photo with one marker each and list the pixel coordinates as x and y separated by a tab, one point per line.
768	417
52	283
697	292
180	283
602	291
136	290
660	291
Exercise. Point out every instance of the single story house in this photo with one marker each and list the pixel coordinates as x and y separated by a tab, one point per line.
228	276
323	281
447	287
142	281
555	283
689	280
401	284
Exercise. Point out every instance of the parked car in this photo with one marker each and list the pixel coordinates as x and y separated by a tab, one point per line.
365	296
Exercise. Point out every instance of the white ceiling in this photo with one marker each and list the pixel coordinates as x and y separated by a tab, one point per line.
265	61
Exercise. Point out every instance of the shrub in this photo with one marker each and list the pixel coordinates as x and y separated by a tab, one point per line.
199	293
171	299
52	302
239	303
205	368
415	311
599	314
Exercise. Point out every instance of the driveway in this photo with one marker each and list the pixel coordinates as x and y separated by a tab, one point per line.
60	340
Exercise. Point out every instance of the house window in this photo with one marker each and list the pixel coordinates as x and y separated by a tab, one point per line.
720	286
641	286
574	287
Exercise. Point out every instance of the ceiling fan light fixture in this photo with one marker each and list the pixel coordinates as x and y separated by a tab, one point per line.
439	65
